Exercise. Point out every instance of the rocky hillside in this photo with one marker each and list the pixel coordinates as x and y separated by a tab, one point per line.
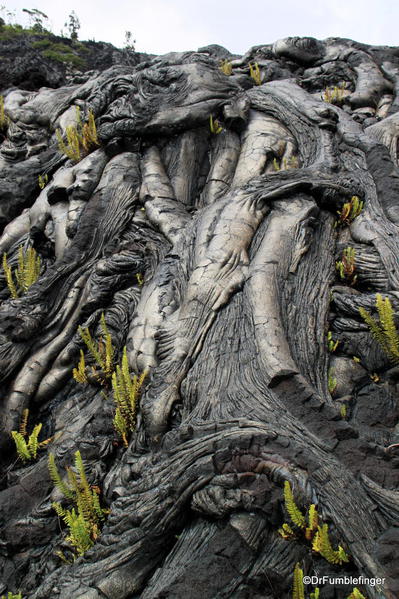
199	332
31	59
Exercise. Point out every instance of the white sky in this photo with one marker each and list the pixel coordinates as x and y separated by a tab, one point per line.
160	26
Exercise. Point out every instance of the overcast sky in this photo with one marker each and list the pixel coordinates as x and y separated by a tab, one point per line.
159	26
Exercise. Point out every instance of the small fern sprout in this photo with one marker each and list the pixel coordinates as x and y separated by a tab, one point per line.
226	67
347	265
215	126
254	73
286	531
26	445
331	343
356	594
332	381
43	180
350	210
334	95
12	596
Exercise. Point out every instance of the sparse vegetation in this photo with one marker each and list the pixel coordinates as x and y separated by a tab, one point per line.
81	138
84	519
28	446
346	266
3	117
102	352
43	180
226	67
331	343
356	594
126	392
314	531
350	210
286	163
214	126
332	381
334	95
25	274
384	330
254	72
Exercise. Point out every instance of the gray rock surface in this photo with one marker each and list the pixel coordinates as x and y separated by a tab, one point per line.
212	256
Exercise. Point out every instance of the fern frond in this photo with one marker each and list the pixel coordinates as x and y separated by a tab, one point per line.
4	120
254	72
286	531
214	126
9	279
356	594
313	522
109	348
294	512
24	422
57	480
21	447
79	373
384	331
28	269
226	67
315	594
298	589
325	548
33	443
91	346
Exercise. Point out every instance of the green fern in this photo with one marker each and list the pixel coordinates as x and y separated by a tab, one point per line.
298	589
356	594
126	392
384	331
350	210
321	544
4	120
83	520
79	373
315	594
294	512
12	596
347	265
102	352
57	480
254	73
9	279
334	95
28	446
80	138
286	531
332	381
26	273
214	126
313	522
43	180
226	67
331	343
